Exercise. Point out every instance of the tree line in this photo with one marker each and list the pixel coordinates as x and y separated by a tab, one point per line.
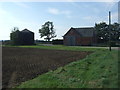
103	32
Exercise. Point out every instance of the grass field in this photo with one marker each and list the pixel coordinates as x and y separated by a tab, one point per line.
98	70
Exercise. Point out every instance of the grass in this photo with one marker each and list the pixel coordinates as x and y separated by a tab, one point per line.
62	47
98	70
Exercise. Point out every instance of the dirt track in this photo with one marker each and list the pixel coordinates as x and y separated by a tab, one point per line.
21	64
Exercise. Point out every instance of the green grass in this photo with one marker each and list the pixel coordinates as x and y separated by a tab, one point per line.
62	47
98	70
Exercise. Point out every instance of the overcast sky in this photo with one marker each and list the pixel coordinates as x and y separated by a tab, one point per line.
64	15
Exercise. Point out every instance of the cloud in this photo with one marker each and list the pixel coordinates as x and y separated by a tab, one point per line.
21	4
66	12
55	11
94	19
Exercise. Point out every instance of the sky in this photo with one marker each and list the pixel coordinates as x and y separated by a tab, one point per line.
64	15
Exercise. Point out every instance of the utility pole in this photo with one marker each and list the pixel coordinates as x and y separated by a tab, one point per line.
109	30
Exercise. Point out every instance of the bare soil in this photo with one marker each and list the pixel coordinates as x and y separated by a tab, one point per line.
22	64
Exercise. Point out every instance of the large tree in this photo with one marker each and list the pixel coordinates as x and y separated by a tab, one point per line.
47	31
105	32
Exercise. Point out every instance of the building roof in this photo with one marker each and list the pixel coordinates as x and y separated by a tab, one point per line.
26	30
84	32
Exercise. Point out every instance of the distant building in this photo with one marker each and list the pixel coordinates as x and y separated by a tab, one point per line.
80	36
24	37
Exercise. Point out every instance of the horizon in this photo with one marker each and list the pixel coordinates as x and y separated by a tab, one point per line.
64	15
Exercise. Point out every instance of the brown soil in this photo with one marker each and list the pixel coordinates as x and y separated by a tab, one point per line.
21	64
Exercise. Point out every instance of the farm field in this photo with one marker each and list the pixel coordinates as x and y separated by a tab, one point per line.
97	70
22	64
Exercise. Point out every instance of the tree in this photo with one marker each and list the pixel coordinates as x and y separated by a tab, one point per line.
103	33
115	32
15	29
14	36
47	31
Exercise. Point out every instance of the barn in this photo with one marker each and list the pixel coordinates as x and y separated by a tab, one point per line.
24	37
80	36
27	37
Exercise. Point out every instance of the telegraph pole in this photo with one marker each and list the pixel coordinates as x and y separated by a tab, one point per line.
109	30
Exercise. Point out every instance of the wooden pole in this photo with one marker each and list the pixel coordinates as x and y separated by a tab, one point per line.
109	30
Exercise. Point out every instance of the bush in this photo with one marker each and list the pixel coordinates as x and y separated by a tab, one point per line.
6	42
114	44
57	42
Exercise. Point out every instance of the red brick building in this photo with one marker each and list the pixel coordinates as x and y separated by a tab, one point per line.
79	36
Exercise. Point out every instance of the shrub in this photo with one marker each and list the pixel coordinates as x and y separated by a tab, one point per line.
57	42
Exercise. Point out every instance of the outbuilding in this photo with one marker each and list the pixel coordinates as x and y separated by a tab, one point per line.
27	37
80	36
24	37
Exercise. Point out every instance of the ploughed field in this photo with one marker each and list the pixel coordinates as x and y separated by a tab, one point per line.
21	64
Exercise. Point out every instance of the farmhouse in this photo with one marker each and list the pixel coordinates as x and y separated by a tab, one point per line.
24	37
80	36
